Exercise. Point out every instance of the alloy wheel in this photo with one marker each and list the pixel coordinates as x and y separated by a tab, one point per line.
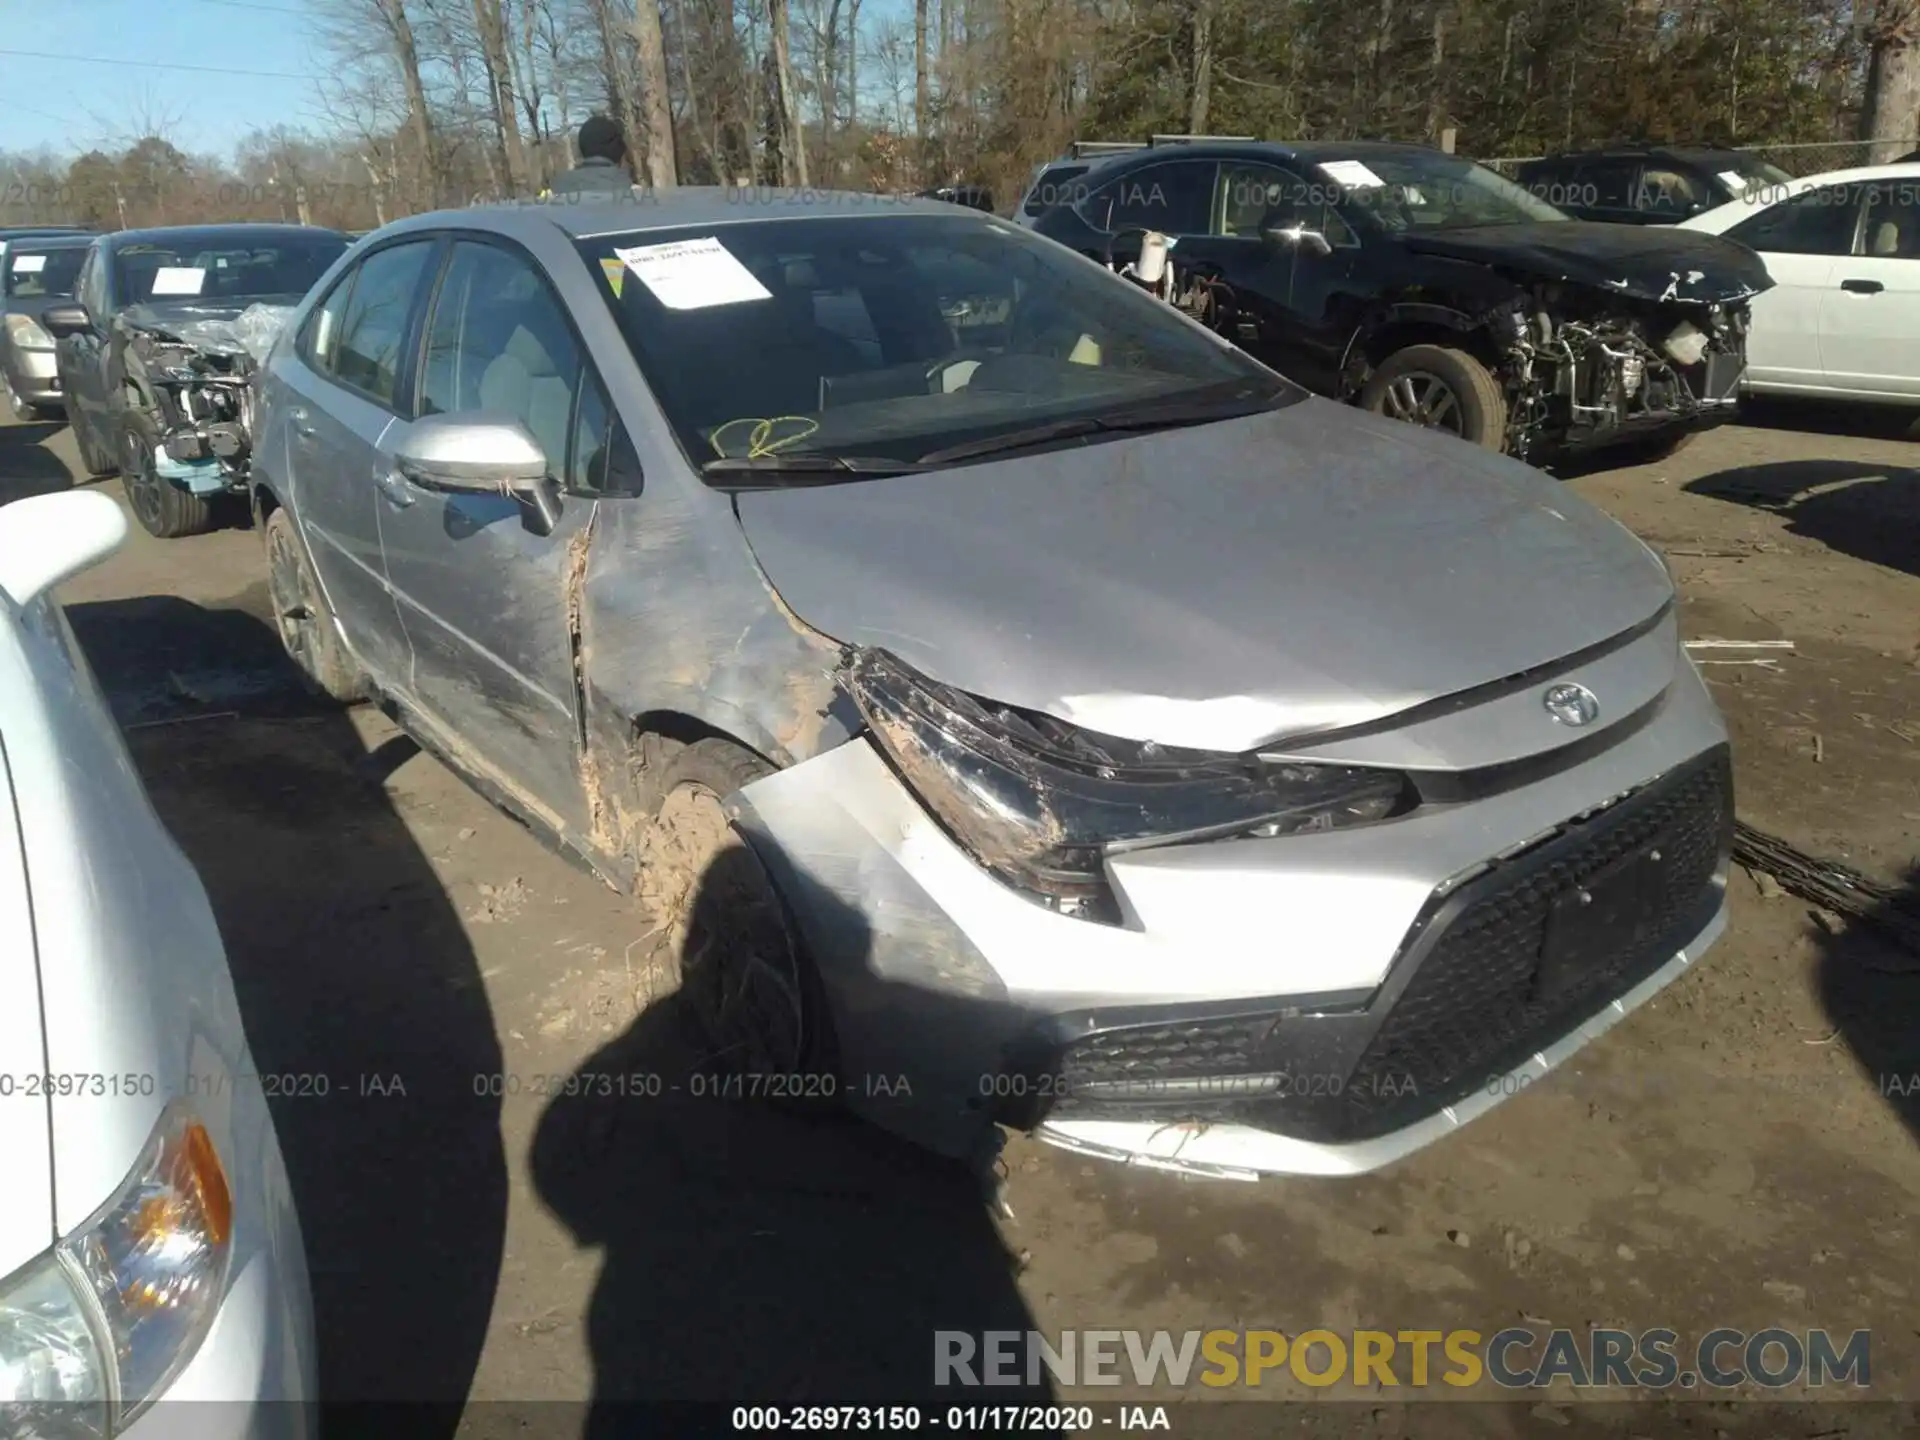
139	479
293	609
1422	398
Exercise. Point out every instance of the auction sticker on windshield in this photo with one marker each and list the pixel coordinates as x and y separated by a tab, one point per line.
1733	180
29	264
1351	172
693	274
178	280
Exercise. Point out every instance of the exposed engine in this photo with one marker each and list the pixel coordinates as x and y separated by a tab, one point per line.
1578	363
194	380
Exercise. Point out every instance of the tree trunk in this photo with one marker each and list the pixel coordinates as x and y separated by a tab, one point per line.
1437	78
418	120
619	84
853	66
492	25
656	117
1891	106
1200	85
922	87
793	145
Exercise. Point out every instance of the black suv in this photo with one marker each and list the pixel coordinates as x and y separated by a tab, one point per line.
1652	185
1425	287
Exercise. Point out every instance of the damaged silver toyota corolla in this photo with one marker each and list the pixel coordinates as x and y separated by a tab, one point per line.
1017	706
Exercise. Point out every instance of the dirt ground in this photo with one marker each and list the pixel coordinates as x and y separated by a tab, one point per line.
1739	1153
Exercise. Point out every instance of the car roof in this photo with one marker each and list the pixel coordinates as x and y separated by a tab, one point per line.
675	209
1686	154
51	240
21	232
1311	152
237	233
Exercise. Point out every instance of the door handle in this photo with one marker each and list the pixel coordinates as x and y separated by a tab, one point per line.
393	485
1862	287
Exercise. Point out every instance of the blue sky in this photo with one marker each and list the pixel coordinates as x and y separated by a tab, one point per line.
72	105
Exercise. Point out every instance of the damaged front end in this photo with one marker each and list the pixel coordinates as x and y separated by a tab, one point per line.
190	380
1583	367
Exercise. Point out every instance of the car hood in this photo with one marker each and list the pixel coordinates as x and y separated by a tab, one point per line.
1649	262
1287	574
169	317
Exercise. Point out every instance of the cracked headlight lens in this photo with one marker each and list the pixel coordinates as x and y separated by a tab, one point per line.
1040	803
95	1330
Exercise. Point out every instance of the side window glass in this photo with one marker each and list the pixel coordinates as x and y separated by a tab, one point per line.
499	342
1819	222
1668	192
366	356
1253	198
1606	184
592	438
1892	228
1171	198
323	326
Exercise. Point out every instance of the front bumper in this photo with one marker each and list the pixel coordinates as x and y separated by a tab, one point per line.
34	378
1267	1001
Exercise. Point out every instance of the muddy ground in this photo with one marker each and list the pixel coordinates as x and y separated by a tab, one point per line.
1739	1153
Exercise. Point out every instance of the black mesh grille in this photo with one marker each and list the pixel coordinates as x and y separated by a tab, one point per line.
1470	1008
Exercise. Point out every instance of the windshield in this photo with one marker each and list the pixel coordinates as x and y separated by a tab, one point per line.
894	336
1429	190
34	270
223	269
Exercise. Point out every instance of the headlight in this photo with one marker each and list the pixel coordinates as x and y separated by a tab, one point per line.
28	333
99	1326
1039	802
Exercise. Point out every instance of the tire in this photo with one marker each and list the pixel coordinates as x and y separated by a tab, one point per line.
739	968
304	619
1440	389
161	507
90	460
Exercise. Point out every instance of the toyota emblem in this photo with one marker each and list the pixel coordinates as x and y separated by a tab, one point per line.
1571	704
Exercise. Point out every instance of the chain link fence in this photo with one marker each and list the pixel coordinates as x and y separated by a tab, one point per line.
1814	157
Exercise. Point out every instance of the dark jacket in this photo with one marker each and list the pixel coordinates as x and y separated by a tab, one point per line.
593	176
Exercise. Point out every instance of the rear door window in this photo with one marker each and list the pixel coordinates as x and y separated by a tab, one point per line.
368	354
1057	185
1172	197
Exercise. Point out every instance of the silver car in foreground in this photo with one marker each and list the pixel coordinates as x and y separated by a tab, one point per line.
1019	707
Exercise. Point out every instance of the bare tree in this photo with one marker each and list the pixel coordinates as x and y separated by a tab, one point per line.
1200	84
1891	105
793	148
491	23
922	88
656	111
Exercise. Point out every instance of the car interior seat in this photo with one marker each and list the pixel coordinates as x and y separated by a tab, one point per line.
525	381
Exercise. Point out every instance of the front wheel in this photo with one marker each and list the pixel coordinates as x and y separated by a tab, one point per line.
161	507
1440	389
732	954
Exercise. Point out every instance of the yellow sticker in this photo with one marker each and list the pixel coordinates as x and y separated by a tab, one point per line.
615	271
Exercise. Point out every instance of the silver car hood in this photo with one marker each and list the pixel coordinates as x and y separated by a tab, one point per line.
1222	587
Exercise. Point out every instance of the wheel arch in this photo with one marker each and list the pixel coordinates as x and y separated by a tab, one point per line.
1400	326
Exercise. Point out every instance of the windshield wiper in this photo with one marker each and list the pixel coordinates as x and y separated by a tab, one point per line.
808	463
1169	416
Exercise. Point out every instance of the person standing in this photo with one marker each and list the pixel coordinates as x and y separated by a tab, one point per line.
603	164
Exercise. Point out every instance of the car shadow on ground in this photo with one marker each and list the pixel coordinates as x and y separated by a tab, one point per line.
1871	512
1870	987
360	992
751	1254
1832	417
27	467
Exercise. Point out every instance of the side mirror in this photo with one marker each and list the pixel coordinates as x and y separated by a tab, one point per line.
67	319
45	539
1298	237
479	454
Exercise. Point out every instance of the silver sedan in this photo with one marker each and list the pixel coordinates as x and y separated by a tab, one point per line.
1019	707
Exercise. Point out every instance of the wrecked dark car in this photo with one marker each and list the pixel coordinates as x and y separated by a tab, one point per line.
1055	721
1427	288
157	350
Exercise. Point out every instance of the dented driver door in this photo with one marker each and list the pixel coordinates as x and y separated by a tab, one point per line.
486	602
